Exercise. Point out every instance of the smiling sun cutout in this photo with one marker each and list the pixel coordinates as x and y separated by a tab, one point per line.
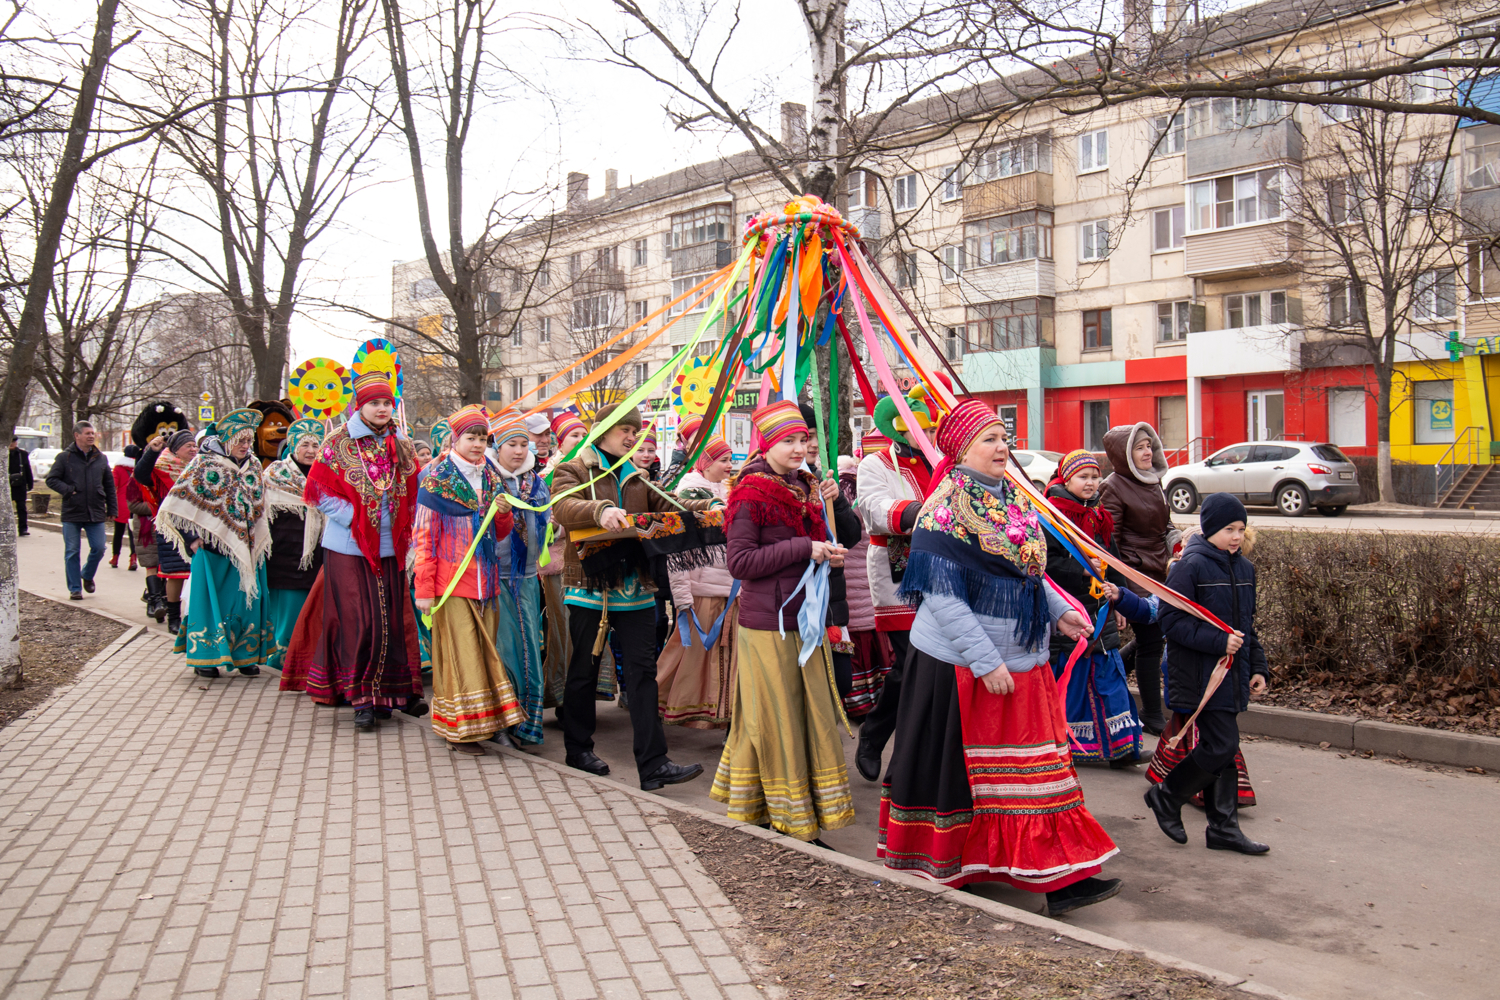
320	387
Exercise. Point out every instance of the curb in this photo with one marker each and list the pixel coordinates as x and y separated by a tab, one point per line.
53	528
1000	911
1347	732
77	606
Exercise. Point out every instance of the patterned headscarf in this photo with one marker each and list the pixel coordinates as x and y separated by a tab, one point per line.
466	418
714	449
1075	462
372	386
307	427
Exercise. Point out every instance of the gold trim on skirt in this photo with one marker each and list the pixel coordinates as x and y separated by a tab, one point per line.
696	686
472	696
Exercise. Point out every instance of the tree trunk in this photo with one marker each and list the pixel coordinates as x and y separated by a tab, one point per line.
28	332
1384	474
824	20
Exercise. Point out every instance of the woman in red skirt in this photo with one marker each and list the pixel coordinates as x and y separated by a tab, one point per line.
981	786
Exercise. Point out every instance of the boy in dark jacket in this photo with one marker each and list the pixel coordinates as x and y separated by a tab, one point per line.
1214	574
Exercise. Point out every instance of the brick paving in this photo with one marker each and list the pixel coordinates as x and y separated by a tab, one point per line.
165	836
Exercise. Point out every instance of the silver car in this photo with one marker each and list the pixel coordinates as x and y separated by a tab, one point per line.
1291	475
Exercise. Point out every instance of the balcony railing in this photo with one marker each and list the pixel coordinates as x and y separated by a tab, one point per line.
1008	194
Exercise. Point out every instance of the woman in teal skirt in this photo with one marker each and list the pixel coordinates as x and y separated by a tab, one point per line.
217	512
296	530
518	639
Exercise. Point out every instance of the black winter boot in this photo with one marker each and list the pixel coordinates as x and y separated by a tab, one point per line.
156	598
174	616
1167	798
1221	801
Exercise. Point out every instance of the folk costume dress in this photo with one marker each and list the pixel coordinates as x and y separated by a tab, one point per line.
296	534
518	636
783	762
221	503
472	694
981	787
365	483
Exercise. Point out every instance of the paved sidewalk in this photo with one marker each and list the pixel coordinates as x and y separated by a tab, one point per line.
164	836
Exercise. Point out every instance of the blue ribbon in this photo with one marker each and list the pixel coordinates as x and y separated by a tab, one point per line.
814	610
711	636
1088	568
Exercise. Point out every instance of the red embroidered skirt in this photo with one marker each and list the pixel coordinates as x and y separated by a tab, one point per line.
981	787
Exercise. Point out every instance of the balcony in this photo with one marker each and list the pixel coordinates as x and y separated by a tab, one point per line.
1237	149
701	257
1021	279
1008	194
1271	347
1241	252
997	371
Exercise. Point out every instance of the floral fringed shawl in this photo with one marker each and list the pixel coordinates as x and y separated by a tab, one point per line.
449	514
224	503
285	483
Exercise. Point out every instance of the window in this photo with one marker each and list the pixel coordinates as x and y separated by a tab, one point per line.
1171	420
1481	167
906	270
1431	186
1097	333
1019	236
1341	112
638	254
863	189
1484	272
517	387
953	263
1346	198
1011	158
642	372
1007	415
905	192
1429	86
1005	326
575	266
681	286
1169	134
1346	303
544	330
1093	151
953	183
953	343
1225	114
1433	411
1173	321
1238	455
591	312
1237	200
1095	424
425	288
492	389
701	225
1168	228
1266	413
544	274
1346	418
606	258
518	338
515	281
1254	309
1435	295
1093	240
639	310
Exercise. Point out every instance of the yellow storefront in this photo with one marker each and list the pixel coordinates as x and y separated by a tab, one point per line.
1443	411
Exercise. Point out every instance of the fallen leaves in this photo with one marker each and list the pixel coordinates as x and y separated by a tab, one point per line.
1476	770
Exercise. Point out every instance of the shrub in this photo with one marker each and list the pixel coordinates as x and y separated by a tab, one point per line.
1417	613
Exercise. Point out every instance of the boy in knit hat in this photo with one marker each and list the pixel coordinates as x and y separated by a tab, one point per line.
1213	573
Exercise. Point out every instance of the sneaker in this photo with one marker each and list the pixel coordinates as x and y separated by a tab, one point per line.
74	596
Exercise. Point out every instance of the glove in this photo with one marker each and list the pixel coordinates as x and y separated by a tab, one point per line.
909	517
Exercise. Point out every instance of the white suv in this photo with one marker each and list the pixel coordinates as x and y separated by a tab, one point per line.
1290	475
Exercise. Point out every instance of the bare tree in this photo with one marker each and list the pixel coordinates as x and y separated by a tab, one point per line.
194	344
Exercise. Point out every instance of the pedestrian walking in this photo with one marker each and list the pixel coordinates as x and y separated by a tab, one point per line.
82	477
783	763
614	590
22	481
518	635
1145	536
122	472
158	420
156	471
216	512
296	534
1214	573
870	660
981	785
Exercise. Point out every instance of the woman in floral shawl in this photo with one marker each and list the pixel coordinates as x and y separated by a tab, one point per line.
216	511
296	529
981	784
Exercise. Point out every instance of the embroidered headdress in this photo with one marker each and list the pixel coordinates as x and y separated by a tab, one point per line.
466	418
776	421
441	434
959	429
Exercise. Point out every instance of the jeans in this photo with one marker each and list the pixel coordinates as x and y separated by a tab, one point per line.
72	543
637	633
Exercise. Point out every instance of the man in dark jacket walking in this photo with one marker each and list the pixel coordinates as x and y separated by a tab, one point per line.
81	476
21	482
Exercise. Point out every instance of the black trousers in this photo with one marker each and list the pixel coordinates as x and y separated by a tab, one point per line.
18	497
637	634
123	532
1218	741
1150	641
881	722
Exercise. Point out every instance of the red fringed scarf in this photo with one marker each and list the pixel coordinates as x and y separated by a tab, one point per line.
343	472
766	498
1091	518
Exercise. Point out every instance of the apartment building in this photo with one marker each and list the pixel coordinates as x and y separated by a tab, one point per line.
1141	263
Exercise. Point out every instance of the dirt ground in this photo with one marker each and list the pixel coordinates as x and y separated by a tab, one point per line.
56	641
1436	709
828	933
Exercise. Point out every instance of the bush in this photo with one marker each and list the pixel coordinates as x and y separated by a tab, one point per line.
1414	612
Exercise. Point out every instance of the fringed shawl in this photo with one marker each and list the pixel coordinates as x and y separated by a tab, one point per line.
285	483
986	550
1090	517
450	513
369	473
767	498
225	503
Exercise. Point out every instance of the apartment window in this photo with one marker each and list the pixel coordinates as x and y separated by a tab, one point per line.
1236	200
1226	114
905	192
1005	326
1173	321
701	225
1254	309
863	189
1341	112
1481	167
425	288
575	266
515	281
517	333
1168	228
517	387
906	270
1429	86
638	254
953	263
492	389
954	343
1346	304
1435	295
592	312
1095	424
544	274
1093	151
642	372
1018	236
1431	186
681	286
953	183
1346	198
1008	159
606	258
541	381
1093	240
1169	134
1097	332
1484	272
544	330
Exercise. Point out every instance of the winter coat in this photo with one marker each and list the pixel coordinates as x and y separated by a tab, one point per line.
634	494
890	494
283	567
856	569
850	533
701	581
1224	584
1144	534
21	480
122	475
86	485
434	569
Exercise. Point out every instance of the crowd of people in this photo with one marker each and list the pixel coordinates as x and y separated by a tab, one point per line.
932	605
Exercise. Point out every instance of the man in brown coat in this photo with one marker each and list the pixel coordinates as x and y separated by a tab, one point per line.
617	584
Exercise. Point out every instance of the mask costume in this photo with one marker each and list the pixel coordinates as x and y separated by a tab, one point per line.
141	501
271	434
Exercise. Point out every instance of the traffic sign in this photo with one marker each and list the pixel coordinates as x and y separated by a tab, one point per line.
205	397
205	412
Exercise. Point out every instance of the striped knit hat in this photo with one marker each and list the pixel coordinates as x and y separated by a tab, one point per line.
962	426
714	449
1074	462
372	386
874	443
506	425
467	418
687	429
648	432
566	423
777	420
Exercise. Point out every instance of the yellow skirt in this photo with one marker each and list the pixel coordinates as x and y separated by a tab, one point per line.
695	685
472	697
783	762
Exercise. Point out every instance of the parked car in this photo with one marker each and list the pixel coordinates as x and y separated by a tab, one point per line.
41	462
1293	476
1040	466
